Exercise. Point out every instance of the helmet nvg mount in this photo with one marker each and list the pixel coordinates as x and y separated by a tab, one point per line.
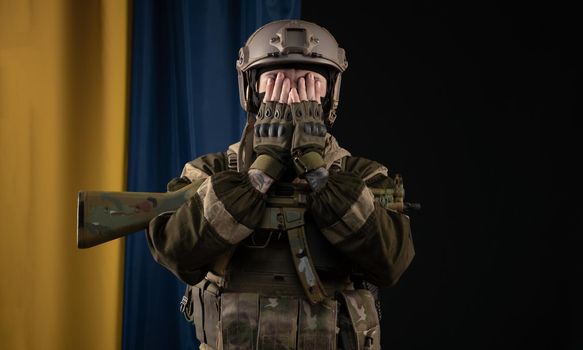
288	42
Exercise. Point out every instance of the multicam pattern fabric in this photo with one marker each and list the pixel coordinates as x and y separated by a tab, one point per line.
353	219
365	320
192	173
206	308
239	321
317	325
219	217
304	265
277	323
250	321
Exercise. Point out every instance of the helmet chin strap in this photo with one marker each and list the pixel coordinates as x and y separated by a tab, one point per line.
331	117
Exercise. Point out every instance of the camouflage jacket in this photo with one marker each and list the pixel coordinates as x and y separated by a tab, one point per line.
211	242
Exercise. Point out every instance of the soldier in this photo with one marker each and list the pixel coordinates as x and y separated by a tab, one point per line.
288	235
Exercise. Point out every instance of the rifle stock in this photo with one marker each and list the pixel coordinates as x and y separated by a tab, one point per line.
104	216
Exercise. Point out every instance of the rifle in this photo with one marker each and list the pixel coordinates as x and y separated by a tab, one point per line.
105	216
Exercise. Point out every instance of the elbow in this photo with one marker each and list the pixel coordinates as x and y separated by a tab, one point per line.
386	280
398	252
190	277
393	269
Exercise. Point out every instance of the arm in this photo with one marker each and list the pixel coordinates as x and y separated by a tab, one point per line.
377	239
223	211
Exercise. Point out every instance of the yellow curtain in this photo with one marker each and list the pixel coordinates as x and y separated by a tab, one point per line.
63	87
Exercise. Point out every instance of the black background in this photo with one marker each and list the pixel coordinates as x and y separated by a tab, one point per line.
475	105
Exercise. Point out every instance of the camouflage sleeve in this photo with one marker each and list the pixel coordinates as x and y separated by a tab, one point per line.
204	166
376	239
224	210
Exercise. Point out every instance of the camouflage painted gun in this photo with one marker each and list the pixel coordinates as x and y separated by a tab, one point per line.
105	216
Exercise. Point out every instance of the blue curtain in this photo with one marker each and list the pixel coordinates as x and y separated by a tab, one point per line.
184	103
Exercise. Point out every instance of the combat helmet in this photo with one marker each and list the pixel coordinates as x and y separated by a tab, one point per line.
291	42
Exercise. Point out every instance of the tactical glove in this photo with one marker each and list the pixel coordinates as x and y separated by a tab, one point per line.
307	145
272	138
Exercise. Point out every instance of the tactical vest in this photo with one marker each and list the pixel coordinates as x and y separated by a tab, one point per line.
285	286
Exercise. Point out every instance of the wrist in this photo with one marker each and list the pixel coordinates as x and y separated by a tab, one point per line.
269	166
260	180
306	162
317	178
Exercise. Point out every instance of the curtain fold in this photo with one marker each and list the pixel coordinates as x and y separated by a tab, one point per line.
184	103
63	77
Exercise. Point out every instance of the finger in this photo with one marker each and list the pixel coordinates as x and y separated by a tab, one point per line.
302	89
283	96
318	90
268	90
311	87
293	96
277	87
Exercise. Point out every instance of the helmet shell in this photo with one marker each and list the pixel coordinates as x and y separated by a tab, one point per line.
287	42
